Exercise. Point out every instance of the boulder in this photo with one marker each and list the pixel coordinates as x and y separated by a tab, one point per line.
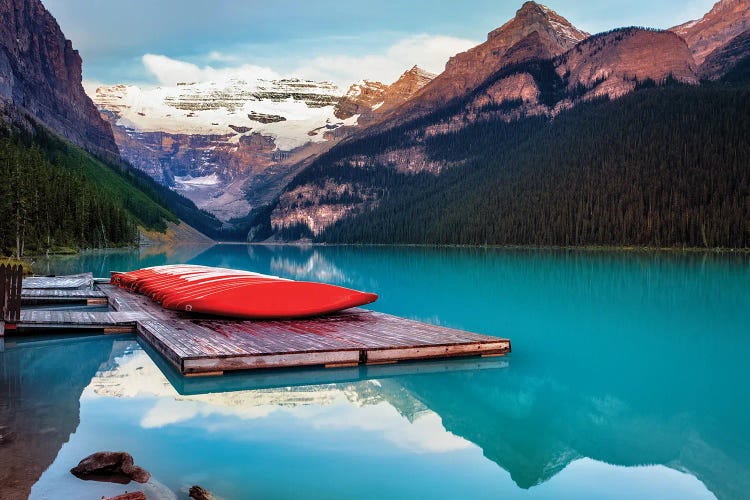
135	495
110	466
200	493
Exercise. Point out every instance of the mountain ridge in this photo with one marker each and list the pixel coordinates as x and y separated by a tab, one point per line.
351	178
536	32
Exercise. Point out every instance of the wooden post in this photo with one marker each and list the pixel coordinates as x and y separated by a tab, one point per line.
11	282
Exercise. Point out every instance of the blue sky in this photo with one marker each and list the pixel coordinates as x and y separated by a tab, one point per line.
342	40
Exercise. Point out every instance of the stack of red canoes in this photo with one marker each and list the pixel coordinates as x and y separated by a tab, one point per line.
239	294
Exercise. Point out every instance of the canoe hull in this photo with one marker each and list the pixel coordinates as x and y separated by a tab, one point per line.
274	299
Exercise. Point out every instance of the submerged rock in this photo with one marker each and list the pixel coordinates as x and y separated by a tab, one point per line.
200	493
110	466
135	495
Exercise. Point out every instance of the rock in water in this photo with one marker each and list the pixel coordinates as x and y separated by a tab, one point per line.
200	493
135	495
111	467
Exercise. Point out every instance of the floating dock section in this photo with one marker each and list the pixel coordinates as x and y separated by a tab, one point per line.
196	345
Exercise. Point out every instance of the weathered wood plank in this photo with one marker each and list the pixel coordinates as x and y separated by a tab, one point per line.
59	282
427	352
259	361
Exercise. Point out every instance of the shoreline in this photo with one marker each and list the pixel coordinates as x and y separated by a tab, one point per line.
592	248
297	244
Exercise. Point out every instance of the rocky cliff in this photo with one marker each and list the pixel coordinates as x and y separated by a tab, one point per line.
727	19
40	74
611	64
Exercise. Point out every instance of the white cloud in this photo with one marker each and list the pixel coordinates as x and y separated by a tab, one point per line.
430	52
216	56
168	71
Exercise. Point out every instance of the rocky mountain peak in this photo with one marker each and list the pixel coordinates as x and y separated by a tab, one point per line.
533	17
543	32
726	20
409	82
360	98
536	32
419	72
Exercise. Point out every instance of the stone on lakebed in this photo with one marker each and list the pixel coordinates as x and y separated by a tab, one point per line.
110	466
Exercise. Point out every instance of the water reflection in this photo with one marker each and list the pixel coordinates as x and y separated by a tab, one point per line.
624	366
39	407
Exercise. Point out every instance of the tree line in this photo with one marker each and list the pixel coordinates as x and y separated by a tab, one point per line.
45	207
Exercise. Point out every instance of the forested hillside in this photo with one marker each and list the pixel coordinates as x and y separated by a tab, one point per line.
54	194
663	167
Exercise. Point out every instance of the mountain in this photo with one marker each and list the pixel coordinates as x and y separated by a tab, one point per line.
608	65
231	146
371	100
487	166
209	140
40	74
536	32
726	20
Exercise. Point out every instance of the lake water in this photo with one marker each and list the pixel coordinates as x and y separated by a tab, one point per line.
628	379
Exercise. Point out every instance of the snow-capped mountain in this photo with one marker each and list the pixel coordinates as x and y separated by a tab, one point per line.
287	110
232	146
215	141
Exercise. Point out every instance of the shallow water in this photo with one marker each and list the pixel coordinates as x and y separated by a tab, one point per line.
627	380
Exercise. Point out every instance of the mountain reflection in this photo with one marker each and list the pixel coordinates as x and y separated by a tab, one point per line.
531	427
40	387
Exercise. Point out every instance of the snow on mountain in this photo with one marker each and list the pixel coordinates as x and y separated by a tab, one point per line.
227	145
287	110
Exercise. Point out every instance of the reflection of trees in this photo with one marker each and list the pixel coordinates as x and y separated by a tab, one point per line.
40	387
172	253
102	262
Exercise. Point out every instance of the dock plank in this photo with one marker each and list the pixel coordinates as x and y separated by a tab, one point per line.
76	281
33	320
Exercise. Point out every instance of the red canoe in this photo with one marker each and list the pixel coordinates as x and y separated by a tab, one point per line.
271	299
239	294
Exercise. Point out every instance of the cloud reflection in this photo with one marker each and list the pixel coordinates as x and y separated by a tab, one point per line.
377	407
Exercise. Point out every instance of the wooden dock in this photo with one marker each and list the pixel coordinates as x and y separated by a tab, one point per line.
196	345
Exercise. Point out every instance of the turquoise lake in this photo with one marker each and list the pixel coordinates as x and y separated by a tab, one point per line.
628	379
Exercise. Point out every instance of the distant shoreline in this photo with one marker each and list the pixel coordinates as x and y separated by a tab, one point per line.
499	247
297	244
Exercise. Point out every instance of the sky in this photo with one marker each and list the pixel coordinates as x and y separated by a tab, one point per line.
162	42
